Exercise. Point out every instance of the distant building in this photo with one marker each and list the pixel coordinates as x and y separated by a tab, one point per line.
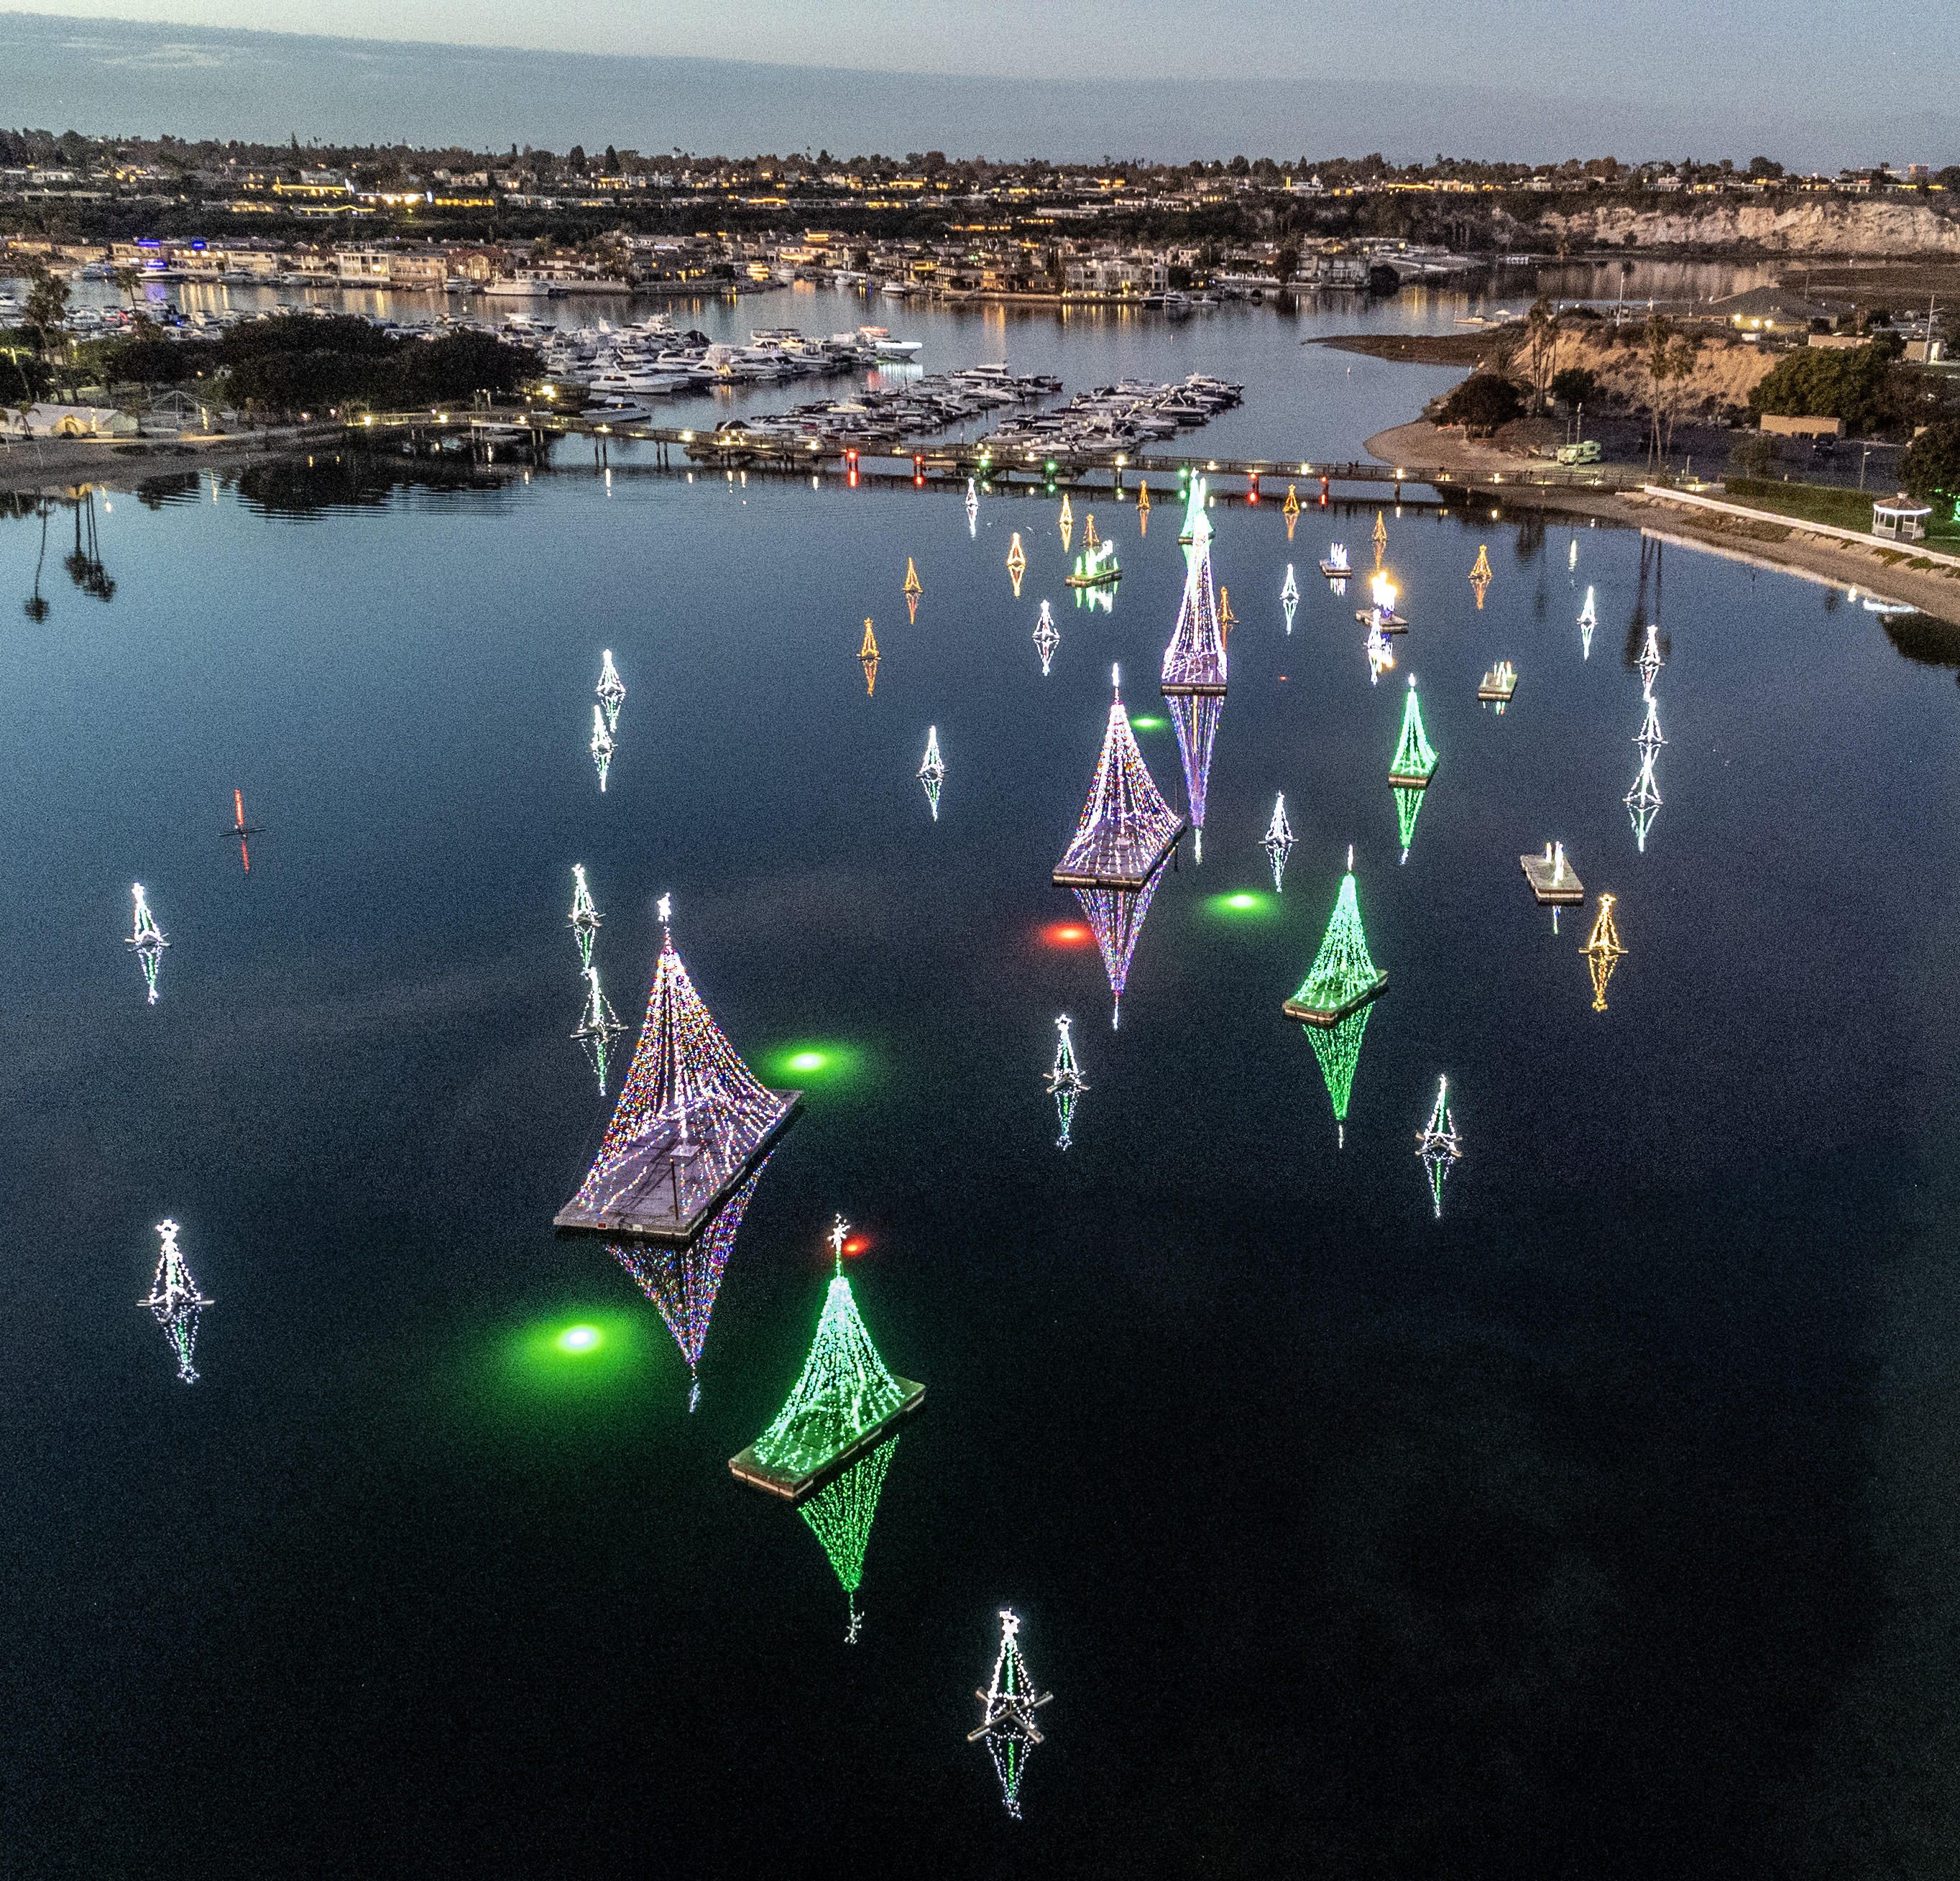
1774	311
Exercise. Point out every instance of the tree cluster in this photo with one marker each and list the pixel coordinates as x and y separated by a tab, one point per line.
1863	385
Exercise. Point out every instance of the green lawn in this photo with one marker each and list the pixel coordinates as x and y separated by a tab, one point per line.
1821	503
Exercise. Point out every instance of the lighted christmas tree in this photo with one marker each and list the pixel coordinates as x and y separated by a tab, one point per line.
175	1302
1194	675
1480	575
1603	951
1344	977
612	691
691	1122
1008	1718
1277	842
1338	1048
148	940
1588	620
585	916
1115	917
1438	1145
1047	636
598	1026
1289	596
1017	563
602	744
1648	736
1290	509
840	1516
1414	762
1650	663
972	510
1381	537
1643	799
1143	507
843	1404
1127	830
1197	529
1408	806
1380	647
1089	541
1195	716
682	1282
912	586
1065	1081
867	657
932	771
1067	520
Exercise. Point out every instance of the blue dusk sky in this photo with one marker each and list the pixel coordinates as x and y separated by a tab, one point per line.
1819	84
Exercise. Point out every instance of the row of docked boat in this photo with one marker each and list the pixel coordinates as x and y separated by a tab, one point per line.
882	417
1125	416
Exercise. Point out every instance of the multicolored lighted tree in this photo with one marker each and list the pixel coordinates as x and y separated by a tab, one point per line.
1438	1145
1194	674
175	1302
602	745
1195	716
1065	1081
932	770
692	1122
1277	842
585	915
612	690
1008	1718
1126	833
1379	646
148	939
682	1282
1047	636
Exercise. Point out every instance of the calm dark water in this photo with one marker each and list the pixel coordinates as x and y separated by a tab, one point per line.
1600	1527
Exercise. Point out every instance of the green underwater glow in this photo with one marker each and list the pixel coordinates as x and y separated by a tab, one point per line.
812	1064
1149	723
1242	904
575	1355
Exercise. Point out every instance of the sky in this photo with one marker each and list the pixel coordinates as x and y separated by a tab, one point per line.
1535	79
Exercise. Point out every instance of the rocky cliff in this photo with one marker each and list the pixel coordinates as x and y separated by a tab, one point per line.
1799	225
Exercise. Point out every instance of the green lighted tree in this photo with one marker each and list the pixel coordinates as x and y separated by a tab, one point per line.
1408	806
1415	759
840	1516
1343	972
1338	1048
844	1390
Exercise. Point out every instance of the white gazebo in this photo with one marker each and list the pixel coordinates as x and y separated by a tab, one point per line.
1900	519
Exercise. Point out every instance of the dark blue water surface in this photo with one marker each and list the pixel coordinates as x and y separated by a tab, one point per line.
1601	1527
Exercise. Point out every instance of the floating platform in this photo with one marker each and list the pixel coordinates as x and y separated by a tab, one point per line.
1498	686
1336	571
1194	689
746	1466
1108	578
1327	1018
1115	874
1540	871
670	1190
1410	780
1368	617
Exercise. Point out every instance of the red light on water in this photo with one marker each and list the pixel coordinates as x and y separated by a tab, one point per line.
858	1244
1067	934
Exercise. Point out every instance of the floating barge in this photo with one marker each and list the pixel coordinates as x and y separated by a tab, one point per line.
1326	1016
1386	623
669	1187
1496	685
794	1488
1552	878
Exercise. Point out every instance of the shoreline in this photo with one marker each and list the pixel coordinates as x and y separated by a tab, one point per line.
1842	564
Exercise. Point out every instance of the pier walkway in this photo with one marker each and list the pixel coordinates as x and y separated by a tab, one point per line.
730	447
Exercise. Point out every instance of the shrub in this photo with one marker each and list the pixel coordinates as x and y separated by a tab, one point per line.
1931	467
1484	400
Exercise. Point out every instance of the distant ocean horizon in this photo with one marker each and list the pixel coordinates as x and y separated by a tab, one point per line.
132	78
